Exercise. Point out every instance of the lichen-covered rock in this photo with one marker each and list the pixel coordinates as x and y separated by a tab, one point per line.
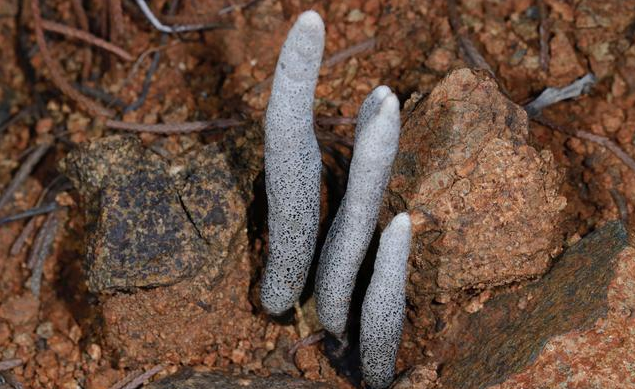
573	328
174	279
152	222
484	204
214	380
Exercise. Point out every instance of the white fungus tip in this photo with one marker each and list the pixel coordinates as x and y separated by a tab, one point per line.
310	20
381	92
401	223
389	105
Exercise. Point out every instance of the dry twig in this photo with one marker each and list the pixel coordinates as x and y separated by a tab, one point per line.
116	19
41	210
307	341
544	31
205	18
82	20
125	380
10	364
621	204
47	194
40	251
597	139
351	51
172	29
10	379
174	128
133	380
333	60
56	72
23	172
552	96
86	37
470	53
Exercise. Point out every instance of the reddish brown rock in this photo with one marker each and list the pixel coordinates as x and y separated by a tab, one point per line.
20	310
484	204
564	66
571	329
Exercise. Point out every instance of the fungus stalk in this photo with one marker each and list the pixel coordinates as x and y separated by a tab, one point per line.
384	305
292	165
376	144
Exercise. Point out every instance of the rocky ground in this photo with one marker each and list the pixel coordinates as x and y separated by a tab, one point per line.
145	261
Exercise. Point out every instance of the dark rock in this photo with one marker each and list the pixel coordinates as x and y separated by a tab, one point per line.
511	330
152	222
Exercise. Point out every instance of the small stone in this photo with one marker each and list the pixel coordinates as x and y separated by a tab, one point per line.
61	345
24	339
564	64
355	16
75	333
440	59
20	310
94	351
45	330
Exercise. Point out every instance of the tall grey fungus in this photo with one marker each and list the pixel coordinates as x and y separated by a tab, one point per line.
385	304
292	174
292	165
376	143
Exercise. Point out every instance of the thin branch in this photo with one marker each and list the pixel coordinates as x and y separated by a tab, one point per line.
41	250
56	72
470	53
204	18
82	20
551	96
171	29
174	128
307	341
147	81
48	194
138	381
621	204
349	52
597	139
137	65
544	31
10	379
10	364
116	20
86	37
125	380
333	60
23	172
44	209
154	65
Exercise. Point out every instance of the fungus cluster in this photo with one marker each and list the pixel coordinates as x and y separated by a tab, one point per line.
292	173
